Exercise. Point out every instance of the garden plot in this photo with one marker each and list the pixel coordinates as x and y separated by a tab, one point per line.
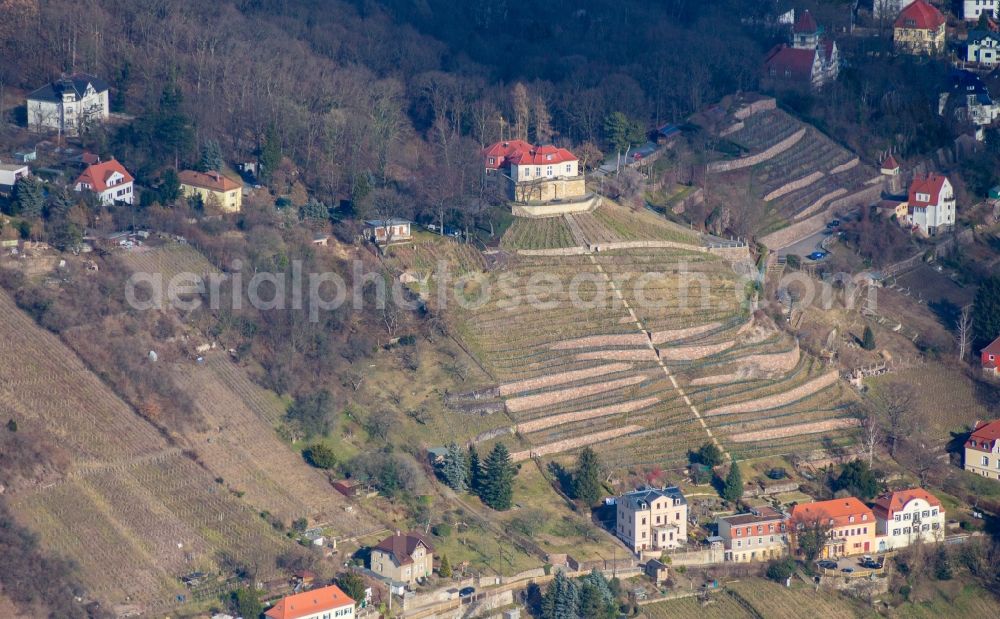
167	260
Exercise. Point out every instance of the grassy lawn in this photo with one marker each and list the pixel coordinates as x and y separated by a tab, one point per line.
559	529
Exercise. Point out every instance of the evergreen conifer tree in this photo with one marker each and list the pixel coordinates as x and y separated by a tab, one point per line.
587	483
868	339
561	599
444	570
498	479
474	478
29	197
454	470
211	156
732	490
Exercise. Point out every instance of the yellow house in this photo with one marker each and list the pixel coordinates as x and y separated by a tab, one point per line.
214	188
919	29
850	525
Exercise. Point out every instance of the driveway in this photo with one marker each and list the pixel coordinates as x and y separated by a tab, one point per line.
805	246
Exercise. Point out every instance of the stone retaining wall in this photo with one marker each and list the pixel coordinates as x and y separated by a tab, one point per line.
528	402
690	353
795	430
573	443
733	128
555	420
556	209
748	110
780	399
775	362
561	251
795	185
635	354
813	208
551	380
845	166
593	341
662	337
801	229
764	155
599	247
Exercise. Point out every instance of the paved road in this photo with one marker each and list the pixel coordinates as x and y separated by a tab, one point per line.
805	246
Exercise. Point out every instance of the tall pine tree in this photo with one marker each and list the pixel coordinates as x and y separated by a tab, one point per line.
732	490
587	482
454	469
29	197
986	312
498	479
211	156
561	599
474	478
596	601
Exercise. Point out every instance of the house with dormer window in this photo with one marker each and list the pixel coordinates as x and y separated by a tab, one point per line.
904	516
69	105
109	180
982	450
851	525
931	204
533	173
919	29
652	519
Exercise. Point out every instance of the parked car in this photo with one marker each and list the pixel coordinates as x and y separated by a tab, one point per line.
466	591
817	255
828	565
847	570
833	223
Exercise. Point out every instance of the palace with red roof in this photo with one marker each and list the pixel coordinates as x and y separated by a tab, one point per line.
812	61
982	450
919	29
109	180
533	173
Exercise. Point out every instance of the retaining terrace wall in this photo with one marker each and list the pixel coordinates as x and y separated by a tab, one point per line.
800	230
845	166
787	188
752	160
766	103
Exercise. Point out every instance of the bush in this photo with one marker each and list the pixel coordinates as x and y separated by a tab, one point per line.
779	571
442	529
320	456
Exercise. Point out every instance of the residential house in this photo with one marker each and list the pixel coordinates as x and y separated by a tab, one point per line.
972	9
968	99
919	29
893	208
990	357
386	231
324	603
903	516
109	180
981	47
214	188
851	525
931	204
756	536
403	557
533	173
652	519
10	173
69	105
812	61
982	450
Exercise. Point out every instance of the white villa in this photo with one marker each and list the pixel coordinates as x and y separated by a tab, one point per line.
69	105
904	516
652	519
109	180
931	204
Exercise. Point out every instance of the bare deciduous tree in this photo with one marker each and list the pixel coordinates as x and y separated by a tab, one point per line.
894	403
871	435
964	332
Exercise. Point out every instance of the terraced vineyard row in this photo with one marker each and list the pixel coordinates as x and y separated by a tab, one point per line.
621	377
547	233
763	129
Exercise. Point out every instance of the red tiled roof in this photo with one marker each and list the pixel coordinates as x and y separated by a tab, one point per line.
930	184
402	547
892	502
984	435
97	175
542	155
919	14
839	510
890	163
501	151
805	23
309	603
993	347
213	181
784	61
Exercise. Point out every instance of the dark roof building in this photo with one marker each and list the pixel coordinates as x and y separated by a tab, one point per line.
75	85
